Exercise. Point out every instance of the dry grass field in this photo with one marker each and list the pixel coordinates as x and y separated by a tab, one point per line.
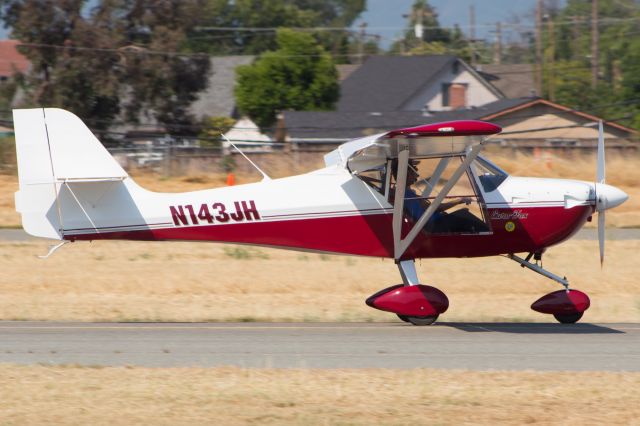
137	281
61	395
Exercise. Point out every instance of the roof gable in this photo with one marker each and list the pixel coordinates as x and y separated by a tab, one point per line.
384	83
563	109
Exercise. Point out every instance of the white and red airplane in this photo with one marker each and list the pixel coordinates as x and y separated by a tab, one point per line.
455	204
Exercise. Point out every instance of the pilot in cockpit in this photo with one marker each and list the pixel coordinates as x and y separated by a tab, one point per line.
415	205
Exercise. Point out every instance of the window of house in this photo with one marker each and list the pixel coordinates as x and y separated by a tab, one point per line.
454	95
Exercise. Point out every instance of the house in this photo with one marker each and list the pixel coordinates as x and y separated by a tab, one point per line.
536	122
527	123
414	83
12	61
246	135
217	100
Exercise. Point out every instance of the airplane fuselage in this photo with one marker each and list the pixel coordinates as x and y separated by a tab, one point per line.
328	210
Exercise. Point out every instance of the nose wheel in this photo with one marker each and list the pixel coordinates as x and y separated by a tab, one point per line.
567	306
425	320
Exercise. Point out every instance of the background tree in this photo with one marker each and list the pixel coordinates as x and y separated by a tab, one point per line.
425	36
118	57
300	75
212	129
61	75
227	28
161	83
568	50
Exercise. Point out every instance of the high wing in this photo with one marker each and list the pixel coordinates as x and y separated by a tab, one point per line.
439	140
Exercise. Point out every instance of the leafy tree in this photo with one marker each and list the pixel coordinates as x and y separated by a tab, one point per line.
62	77
434	39
300	75
159	82
117	59
230	17
568	59
212	129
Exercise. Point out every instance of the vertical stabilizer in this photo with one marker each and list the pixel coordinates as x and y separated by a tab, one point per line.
55	148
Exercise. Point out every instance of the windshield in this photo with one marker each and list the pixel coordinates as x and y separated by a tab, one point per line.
489	175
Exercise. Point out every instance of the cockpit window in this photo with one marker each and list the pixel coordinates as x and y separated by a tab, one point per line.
375	178
489	175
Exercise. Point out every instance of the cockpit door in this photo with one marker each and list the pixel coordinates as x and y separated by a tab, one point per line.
462	211
393	150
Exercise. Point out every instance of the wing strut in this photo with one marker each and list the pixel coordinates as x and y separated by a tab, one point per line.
398	203
400	245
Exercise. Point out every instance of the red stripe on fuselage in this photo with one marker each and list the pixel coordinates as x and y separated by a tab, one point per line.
371	235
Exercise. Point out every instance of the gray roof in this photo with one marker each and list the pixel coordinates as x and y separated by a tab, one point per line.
368	88
217	100
347	125
514	80
303	125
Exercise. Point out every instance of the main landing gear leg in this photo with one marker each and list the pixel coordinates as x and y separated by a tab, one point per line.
412	302
567	306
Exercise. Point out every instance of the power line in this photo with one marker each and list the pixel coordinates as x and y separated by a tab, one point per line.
143	51
391	28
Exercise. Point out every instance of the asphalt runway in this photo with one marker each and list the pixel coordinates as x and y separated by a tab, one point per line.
475	346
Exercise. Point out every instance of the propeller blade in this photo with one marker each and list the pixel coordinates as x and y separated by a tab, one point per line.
601	236
600	167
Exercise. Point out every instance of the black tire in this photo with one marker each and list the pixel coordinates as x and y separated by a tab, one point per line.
403	317
428	320
568	318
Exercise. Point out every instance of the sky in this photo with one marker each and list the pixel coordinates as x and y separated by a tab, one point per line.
384	17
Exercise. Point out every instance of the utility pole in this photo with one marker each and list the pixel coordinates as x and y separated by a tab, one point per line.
539	48
361	36
416	17
594	43
552	62
472	33
497	51
575	32
419	24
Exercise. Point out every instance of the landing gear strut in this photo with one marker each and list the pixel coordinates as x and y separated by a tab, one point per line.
415	303
567	306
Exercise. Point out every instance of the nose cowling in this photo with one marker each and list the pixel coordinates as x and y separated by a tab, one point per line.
608	196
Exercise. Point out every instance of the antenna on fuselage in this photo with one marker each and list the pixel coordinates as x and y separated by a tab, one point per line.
264	175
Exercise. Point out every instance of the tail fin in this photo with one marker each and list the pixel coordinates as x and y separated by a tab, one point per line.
54	148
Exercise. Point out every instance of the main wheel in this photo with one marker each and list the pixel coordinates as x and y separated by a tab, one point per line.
428	320
403	317
568	318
